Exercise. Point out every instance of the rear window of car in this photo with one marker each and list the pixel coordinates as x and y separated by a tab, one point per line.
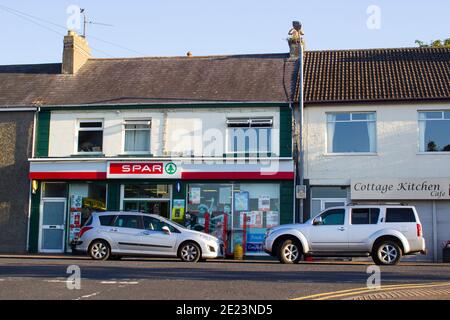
400	215
107	220
365	215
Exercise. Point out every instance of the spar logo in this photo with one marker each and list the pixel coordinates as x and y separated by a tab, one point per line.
142	168
170	168
136	168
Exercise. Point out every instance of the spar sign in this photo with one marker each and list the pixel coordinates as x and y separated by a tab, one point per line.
143	170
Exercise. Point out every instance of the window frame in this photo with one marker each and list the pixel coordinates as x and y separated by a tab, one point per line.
77	135
442	111
247	123
329	151
124	130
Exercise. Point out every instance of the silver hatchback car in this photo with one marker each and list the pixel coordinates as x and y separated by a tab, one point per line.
110	235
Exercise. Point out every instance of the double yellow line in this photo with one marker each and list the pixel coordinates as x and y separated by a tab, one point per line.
358	291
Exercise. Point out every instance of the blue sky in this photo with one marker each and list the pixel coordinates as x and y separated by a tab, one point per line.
168	28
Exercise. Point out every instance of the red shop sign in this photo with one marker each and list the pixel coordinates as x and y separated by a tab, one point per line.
136	168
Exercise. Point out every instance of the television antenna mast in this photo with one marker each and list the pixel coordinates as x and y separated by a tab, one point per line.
86	22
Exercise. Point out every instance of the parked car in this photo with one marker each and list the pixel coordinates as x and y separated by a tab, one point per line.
111	235
384	232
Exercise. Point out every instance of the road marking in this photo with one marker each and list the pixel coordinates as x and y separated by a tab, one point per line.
354	291
119	282
88	296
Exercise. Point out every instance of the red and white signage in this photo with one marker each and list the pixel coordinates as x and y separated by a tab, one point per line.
159	169
155	170
136	168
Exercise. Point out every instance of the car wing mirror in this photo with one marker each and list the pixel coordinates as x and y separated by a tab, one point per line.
318	221
166	230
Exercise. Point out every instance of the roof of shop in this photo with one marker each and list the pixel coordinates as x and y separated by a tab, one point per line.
340	76
236	78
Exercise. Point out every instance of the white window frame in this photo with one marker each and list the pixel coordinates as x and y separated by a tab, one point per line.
137	121
327	146
424	151
249	121
78	129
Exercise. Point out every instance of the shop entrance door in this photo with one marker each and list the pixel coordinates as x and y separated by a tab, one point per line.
161	208
52	230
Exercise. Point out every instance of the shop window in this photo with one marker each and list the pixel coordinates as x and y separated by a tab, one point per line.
54	190
147	191
249	135
147	198
239	214
90	136
434	128
351	132
85	198
137	136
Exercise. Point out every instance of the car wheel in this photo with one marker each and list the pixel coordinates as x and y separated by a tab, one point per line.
290	251
99	250
387	253
190	252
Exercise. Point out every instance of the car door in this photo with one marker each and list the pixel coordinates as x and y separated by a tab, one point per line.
126	233
155	241
363	223
331	234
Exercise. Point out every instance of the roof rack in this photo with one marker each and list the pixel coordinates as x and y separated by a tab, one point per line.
352	203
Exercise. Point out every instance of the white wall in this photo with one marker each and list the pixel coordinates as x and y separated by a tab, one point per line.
173	130
397	146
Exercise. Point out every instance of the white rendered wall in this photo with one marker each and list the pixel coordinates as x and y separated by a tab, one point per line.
397	153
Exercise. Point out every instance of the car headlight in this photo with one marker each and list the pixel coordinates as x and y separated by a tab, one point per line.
268	232
209	238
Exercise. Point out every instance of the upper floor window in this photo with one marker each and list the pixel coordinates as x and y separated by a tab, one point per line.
137	136
90	136
351	132
250	135
434	130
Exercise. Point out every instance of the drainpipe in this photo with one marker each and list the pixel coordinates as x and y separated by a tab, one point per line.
299	183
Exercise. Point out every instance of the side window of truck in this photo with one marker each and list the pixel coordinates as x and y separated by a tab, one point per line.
400	215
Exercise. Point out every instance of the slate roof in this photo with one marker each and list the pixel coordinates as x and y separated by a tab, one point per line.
238	78
341	76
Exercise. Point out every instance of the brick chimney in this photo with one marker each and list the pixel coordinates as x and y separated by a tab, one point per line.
76	53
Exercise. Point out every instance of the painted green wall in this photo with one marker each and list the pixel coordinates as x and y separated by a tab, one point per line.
33	238
285	132
42	134
286	202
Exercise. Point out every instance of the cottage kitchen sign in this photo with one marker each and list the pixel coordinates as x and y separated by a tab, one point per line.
400	189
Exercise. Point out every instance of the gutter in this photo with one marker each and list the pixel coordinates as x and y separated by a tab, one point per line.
18	109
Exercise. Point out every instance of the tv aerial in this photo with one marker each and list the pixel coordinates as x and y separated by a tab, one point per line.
86	21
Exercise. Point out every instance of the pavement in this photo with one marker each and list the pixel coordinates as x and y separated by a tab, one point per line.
51	278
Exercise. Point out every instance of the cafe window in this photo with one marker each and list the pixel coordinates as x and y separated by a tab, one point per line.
434	128
249	135
234	211
90	136
137	136
351	132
